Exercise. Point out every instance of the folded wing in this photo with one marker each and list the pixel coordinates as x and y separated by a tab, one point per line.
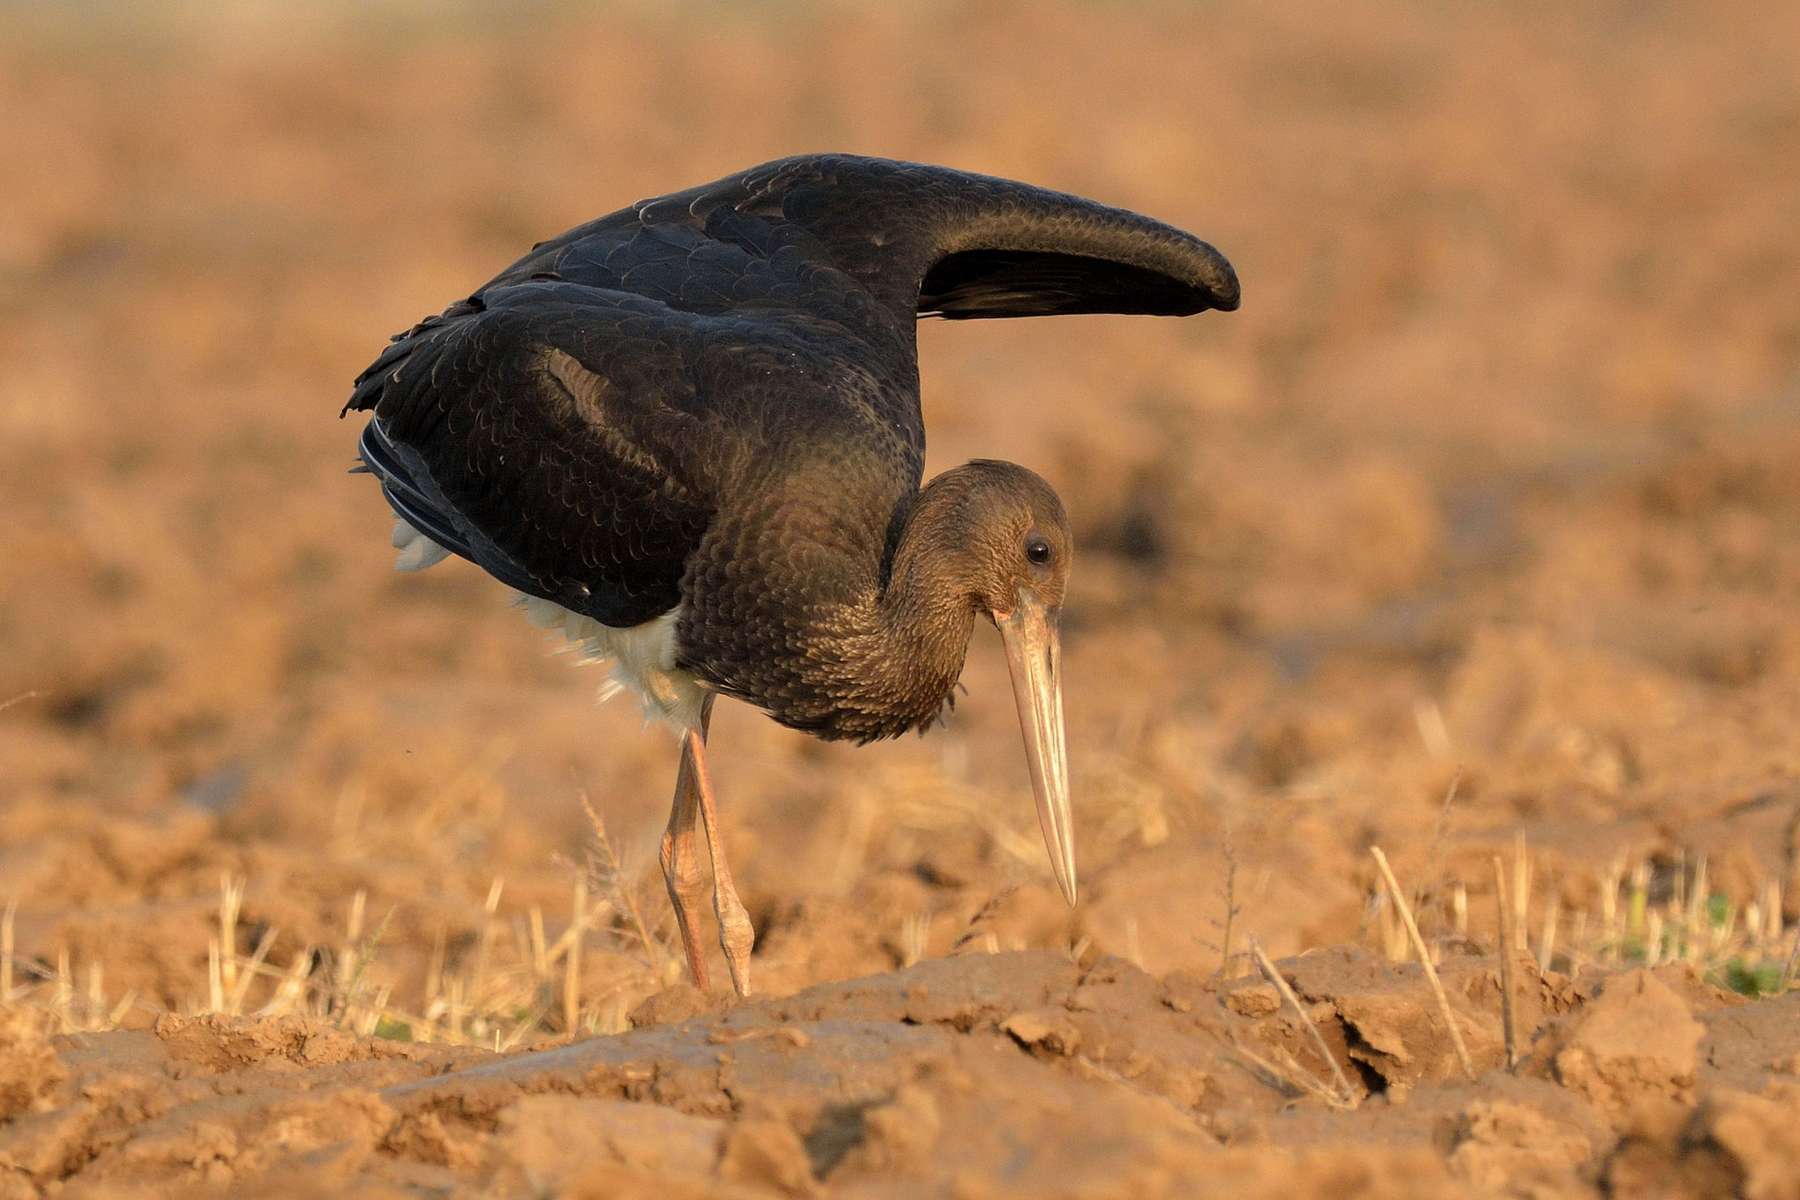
552	437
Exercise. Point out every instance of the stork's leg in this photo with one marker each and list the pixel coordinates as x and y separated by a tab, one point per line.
680	862
735	935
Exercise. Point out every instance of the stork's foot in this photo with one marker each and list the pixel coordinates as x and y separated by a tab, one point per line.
681	872
736	937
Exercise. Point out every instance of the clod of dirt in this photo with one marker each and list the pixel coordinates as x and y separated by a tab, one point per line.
1254	1000
327	1138
681	1002
1636	1042
546	1143
30	1073
1049	1028
1748	1047
1347	1172
769	1153
1733	1144
1501	1144
1110	1082
1389	1020
212	1043
898	1135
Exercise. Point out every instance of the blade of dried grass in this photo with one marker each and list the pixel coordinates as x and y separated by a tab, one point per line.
1547	942
434	966
915	935
231	905
290	984
1615	900
1285	1070
362	957
538	946
7	920
1419	948
1521	892
571	996
1346	1094
1134	945
63	998
1698	896
978	921
240	988
215	977
1435	852
1506	964
611	883
1231	906
484	942
96	994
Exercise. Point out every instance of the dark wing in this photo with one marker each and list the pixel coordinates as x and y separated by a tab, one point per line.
552	436
574	424
919	240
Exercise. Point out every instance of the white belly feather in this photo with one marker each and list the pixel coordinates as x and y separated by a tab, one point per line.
642	656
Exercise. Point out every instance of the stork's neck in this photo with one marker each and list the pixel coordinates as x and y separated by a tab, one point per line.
923	620
811	616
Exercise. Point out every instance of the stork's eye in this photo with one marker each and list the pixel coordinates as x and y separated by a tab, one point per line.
1037	550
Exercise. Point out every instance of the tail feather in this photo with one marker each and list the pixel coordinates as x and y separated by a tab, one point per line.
416	551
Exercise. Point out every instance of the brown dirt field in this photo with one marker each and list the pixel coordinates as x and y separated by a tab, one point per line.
1473	536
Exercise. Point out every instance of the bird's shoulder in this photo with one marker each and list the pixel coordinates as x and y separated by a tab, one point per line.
750	246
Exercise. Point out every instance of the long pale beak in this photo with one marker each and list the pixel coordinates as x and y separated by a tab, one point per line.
1034	656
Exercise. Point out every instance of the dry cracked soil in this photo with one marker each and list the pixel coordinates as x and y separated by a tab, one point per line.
1472	537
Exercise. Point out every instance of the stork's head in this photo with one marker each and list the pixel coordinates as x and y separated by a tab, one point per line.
1002	536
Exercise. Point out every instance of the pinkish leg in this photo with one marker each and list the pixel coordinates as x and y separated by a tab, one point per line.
680	862
735	935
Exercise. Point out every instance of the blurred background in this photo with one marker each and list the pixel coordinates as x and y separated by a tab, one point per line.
1474	531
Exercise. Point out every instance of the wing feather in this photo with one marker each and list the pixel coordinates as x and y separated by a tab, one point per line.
573	425
921	240
495	437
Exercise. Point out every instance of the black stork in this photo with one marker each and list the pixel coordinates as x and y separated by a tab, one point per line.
688	434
